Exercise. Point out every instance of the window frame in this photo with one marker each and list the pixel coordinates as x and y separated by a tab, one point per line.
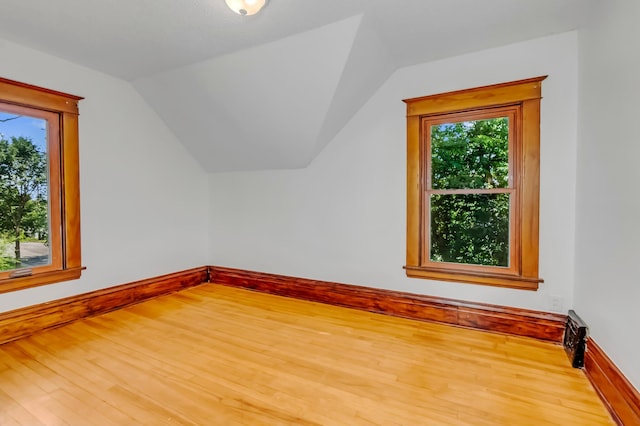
512	112
61	109
523	96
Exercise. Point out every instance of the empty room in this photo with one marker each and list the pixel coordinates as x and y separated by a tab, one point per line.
335	212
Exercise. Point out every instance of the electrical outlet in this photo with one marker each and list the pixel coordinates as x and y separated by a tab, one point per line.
556	303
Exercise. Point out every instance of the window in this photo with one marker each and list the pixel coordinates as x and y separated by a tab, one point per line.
473	172
39	186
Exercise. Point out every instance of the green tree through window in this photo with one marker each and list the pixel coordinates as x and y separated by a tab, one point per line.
23	194
470	228
470	154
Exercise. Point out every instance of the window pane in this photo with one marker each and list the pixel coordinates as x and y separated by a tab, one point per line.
470	154
24	206
470	228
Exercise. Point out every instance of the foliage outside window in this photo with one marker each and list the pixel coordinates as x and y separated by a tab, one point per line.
39	186
473	167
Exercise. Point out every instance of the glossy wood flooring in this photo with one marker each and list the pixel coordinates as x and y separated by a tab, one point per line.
214	355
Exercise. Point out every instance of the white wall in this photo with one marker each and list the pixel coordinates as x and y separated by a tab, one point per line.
343	217
608	204
143	198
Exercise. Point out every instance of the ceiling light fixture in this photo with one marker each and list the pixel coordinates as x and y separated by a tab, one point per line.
246	7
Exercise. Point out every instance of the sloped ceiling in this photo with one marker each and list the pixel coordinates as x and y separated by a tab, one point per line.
271	90
272	106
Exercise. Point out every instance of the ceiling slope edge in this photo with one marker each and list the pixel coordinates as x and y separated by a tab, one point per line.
370	64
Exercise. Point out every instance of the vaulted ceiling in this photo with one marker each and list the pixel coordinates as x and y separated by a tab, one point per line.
271	90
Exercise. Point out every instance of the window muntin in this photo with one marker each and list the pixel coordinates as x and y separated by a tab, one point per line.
473	185
40	125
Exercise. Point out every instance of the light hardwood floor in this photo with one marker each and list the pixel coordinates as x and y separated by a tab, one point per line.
215	355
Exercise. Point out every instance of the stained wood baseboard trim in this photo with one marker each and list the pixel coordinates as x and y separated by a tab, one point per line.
519	322
26	321
618	394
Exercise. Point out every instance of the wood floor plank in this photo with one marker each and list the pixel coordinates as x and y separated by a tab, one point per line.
215	355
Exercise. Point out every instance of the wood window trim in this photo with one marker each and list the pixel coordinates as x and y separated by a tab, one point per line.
526	95
64	182
512	112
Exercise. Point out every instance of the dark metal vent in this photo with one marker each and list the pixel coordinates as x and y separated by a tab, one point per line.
575	339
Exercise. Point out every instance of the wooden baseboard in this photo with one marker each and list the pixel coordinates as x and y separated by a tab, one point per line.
26	321
519	322
618	394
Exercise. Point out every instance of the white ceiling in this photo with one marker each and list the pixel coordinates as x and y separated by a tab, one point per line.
270	90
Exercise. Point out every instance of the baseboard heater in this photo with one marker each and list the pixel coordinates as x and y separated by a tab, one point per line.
575	339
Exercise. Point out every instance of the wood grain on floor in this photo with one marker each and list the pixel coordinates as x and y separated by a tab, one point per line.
214	355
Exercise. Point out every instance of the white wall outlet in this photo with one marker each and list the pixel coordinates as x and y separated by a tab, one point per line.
556	303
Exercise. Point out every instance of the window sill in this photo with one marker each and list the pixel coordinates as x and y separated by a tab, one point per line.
498	280
13	284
